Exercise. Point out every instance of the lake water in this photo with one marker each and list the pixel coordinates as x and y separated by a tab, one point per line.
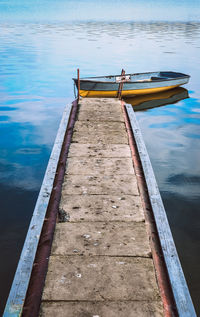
38	58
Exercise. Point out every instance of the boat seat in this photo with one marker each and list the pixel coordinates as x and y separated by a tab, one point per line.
158	78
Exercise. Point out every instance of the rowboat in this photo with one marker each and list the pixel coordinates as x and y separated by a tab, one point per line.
130	84
146	102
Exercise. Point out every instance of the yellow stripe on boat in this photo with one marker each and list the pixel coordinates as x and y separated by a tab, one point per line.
125	93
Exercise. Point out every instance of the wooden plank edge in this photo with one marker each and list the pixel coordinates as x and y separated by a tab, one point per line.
40	267
179	286
169	306
16	298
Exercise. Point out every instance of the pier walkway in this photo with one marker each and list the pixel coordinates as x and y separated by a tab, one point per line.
100	263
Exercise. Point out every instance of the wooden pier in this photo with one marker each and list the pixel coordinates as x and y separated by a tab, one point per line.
104	260
101	262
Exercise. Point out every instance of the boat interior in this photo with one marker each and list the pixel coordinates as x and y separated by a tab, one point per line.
141	77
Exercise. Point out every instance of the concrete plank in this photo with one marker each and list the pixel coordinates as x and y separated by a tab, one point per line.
100	185
93	126
99	150
101	238
100	278
102	309
91	166
88	115
100	104
102	208
116	137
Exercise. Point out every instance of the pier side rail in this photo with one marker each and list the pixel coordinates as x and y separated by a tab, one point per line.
16	298
179	286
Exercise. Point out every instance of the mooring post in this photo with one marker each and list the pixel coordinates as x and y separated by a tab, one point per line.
119	94
78	76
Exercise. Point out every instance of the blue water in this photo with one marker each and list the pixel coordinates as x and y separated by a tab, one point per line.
41	46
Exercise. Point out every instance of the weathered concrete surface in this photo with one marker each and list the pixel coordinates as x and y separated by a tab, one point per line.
100	278
100	104
100	137
100	185
101	309
96	126
102	132
101	238
100	264
102	208
88	115
99	150
113	166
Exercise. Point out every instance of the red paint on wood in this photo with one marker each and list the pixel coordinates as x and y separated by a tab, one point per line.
166	293
40	266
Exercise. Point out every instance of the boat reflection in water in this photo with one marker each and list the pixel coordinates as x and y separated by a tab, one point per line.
145	102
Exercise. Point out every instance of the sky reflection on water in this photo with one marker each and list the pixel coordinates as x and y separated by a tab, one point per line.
37	63
79	10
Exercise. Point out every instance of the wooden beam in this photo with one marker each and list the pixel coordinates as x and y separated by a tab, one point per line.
179	286
20	283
